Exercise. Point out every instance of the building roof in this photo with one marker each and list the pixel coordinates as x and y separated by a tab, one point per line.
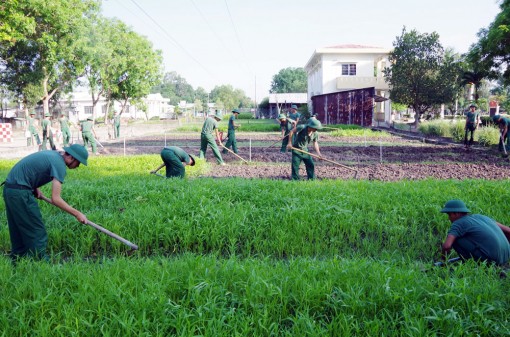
296	98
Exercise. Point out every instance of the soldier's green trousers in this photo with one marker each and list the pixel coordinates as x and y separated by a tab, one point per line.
48	137
26	228
173	165
231	141
66	136
297	158
209	140
88	137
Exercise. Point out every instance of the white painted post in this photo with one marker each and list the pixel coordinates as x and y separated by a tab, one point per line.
124	145
250	149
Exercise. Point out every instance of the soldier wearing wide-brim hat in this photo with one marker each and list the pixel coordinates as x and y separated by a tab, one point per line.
47	133
294	114
503	123
286	125
174	159
32	129
26	227
231	132
207	138
472	122
303	138
475	236
64	122
89	134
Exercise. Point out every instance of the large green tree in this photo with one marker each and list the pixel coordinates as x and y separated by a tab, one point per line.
40	43
422	73
290	80
492	50
175	87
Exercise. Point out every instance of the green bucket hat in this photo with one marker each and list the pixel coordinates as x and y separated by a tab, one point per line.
495	118
455	206
90	118
217	115
47	114
282	116
236	111
314	123
32	113
78	152
293	106
473	106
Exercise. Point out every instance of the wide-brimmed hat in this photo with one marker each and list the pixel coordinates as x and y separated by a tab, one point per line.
282	116
314	123
293	106
90	118
192	160
47	114
495	118
455	206
217	115
78	152
32	113
473	106
236	111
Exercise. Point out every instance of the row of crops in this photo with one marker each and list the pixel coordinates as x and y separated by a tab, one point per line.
237	257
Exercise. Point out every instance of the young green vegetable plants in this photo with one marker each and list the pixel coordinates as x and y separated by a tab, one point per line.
223	257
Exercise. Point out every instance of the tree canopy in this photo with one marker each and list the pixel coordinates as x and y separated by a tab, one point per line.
492	51
422	74
290	80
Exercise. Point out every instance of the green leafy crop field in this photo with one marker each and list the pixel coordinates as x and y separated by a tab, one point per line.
247	257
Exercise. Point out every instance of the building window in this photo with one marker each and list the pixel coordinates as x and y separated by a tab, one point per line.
349	69
88	110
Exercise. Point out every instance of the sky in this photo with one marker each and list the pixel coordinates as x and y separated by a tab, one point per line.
244	43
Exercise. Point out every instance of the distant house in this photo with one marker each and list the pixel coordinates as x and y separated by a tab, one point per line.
79	105
349	68
279	102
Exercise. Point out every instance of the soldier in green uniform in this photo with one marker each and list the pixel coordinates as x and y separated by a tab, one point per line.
472	122
47	133
303	138
294	114
32	128
116	124
88	133
174	159
26	227
207	138
64	128
475	236
231	134
286	125
503	123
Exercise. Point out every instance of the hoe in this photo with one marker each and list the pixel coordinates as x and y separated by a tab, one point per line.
104	230
329	161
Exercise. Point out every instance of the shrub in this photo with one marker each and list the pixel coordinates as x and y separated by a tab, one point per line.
155	118
487	136
245	115
457	130
436	128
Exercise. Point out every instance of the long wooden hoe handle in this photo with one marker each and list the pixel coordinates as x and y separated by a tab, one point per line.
279	140
503	142
235	154
322	158
158	174
103	230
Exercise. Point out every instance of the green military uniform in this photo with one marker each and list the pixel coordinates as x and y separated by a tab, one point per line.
503	122
471	125
479	237
47	133
285	126
207	138
173	157
64	128
294	114
26	227
33	131
88	136
231	133
301	142
116	126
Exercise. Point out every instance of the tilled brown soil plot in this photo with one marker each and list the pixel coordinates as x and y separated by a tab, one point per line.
384	159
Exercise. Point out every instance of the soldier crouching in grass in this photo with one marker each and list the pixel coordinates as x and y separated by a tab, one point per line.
475	236
21	188
174	159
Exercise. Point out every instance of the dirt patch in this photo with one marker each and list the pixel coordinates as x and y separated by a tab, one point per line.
385	159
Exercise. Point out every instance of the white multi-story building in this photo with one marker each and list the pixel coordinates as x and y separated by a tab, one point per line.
348	67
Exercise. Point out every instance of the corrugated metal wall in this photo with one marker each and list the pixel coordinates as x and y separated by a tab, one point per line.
346	107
